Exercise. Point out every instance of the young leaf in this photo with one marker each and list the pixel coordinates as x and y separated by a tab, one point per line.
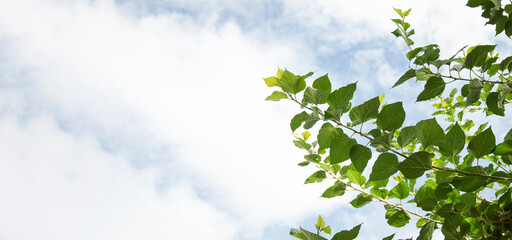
276	96
347	235
391	117
365	111
272	81
318	176
298	119
319	222
415	165
407	75
400	191
434	87
429	132
360	155
384	167
454	143
482	144
340	148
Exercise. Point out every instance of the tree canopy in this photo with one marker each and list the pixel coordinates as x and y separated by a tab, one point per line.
456	172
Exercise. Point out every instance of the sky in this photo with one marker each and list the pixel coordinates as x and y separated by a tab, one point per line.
136	119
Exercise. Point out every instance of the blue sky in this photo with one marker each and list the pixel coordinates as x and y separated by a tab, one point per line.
142	119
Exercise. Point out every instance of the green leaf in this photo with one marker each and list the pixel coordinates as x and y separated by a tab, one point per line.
272	81
391	117
384	167
360	155
407	75
390	237
383	142
434	87
397	218
327	230
340	98
340	148
276	96
298	119
318	176
426	231
338	189
399	11
361	200
354	176
468	183
305	235
415	165
326	134
453	227
429	132
300	143
407	135
508	136
455	141
379	192
400	191
493	105
467	201
323	84
504	148
478	55
320	222
412	54
347	235
474	89
482	144
506	64
314	96
442	190
291	83
365	111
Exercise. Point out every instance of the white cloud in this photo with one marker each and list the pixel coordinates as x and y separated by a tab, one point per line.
197	88
177	88
57	186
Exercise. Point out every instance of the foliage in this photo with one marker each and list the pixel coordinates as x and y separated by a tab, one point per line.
454	171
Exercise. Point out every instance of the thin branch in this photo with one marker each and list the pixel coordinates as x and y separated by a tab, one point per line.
405	156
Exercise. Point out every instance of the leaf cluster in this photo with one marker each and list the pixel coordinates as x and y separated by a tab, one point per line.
458	174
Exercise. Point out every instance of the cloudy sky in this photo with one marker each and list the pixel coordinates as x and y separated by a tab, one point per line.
145	119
